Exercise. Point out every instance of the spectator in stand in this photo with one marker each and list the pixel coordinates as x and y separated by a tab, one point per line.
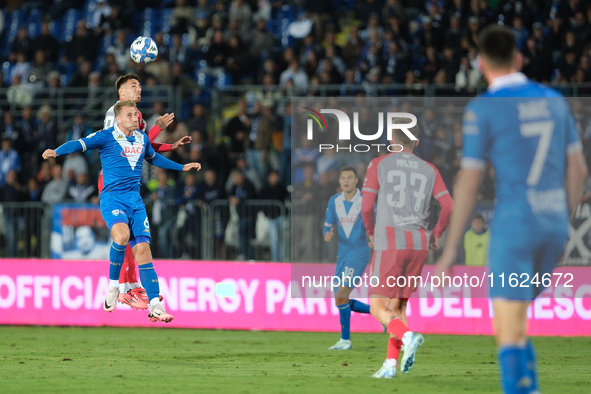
44	175
83	45
47	130
10	192
120	49
210	190
241	12
83	190
198	121
57	189
22	43
241	191
276	192
19	94
158	203
237	130
181	17
9	159
295	74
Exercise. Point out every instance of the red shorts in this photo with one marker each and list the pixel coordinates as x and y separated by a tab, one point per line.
397	271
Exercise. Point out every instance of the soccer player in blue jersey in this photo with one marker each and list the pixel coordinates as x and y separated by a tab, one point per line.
122	149
527	132
344	211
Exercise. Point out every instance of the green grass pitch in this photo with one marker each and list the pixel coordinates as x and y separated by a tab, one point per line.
168	360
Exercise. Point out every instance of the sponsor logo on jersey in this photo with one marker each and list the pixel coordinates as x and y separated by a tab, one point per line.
129	151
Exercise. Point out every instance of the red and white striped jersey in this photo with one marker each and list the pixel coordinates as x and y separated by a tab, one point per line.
403	184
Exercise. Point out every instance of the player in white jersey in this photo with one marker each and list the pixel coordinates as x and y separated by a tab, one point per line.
540	169
344	213
403	185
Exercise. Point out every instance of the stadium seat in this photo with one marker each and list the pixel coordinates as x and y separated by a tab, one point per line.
223	80
6	67
149	29
165	15
70	19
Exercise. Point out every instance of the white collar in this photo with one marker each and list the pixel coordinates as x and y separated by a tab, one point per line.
355	196
117	129
503	81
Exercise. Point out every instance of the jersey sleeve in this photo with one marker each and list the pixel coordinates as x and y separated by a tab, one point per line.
475	138
93	141
150	152
371	184
441	194
330	216
109	118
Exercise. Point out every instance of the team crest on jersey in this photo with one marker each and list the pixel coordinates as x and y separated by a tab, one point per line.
115	212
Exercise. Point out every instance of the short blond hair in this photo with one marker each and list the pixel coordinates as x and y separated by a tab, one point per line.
124	103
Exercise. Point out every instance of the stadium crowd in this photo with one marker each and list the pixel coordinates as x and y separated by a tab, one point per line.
277	48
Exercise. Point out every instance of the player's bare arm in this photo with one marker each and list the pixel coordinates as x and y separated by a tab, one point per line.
191	166
165	120
49	154
182	142
465	192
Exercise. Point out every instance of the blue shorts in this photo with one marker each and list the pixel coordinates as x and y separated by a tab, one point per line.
352	264
524	254
128	208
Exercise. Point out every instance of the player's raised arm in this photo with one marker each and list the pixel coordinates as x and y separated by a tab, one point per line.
93	141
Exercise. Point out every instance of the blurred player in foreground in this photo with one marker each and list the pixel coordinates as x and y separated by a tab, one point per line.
123	148
129	88
403	185
344	210
533	147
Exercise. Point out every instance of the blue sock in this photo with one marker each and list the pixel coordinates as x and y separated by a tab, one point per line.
345	313
149	280
116	257
513	365
358	306
532	368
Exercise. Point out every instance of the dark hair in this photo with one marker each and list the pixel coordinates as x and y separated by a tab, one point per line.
271	171
497	44
124	78
478	216
349	168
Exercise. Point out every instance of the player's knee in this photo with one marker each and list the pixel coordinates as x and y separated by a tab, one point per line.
120	237
341	301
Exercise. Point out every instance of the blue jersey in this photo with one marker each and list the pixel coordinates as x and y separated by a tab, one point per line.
526	131
121	157
347	217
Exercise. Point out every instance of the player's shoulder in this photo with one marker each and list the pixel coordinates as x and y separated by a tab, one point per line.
332	198
375	162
